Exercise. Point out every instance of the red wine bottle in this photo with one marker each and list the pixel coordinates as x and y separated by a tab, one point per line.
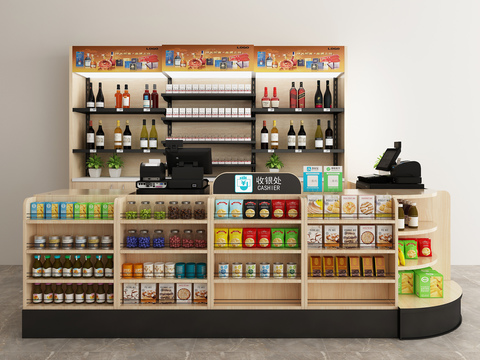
100	99
293	96
318	96
90	136
291	138
302	137
327	99
154	97
90	97
264	136
301	96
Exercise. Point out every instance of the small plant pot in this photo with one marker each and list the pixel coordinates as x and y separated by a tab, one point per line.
274	170
115	173
95	173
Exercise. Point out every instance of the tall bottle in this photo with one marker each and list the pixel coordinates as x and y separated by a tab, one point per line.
37	267
327	99
293	96
301	96
275	101
177	59
100	98
412	216
318	136
69	294
100	294
401	218
153	138
204	61
154	97
109	266
291	138
127	137
269	61
183	63
265	99
87	270
274	62
77	267
87	61
318	96
90	136
93	63
67	267
99	269
79	294
294	61
90	97
57	267
48	294
100	137
47	267
146	97
329	137
126	98
264	136
58	294
112	60
118	98
110	294
117	136
144	136
302	137
274	136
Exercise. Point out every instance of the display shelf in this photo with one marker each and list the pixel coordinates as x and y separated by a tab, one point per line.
163	280
279	222
300	151
70	251
69	222
451	292
241	304
352	280
297	111
166	222
106	179
73	306
147	306
258	280
169	120
118	151
341	304
256	251
163	251
215	142
120	111
354	251
72	280
313	221
234	165
424	227
420	263
226	96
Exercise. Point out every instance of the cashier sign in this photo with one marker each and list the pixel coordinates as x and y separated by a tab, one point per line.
245	183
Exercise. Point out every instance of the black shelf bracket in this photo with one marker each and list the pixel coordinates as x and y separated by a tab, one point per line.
335	121
254	124
87	121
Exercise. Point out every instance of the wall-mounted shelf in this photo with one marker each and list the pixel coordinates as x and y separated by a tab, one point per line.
298	111
229	96
120	111
300	151
170	120
420	263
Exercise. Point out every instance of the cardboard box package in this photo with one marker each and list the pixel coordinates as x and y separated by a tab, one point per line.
131	293
341	266
315	206
428	284
331	236
349	236
315	266
366	266
406	280
367	236
366	206
354	266
315	236
349	207
383	207
184	293
331	206
166	293
149	293
328	266
200	293
385	236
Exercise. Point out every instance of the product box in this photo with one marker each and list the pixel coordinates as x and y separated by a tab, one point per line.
428	284
189	88
234	88
315	236
37	210
221	112
385	236
176	112
406	281
367	236
208	112
215	88
221	88
201	88
366	206
328	266
234	112
214	112
228	112
94	211
235	237
312	179
200	293
315	266
149	293
107	211
188	112
241	112
182	88
248	88
169	56
221	237
201	112
176	88
195	88
52	210
62	208
291	238
169	112
131	293
331	207
349	207
228	88
195	112
366	263
241	88
79	60
184	293
208	88
379	266
331	236
384	207
169	88
166	293
354	266
278	238
248	112
341	266
260	58
80	211
349	236
332	179
315	206
182	112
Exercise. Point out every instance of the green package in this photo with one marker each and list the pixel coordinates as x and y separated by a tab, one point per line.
80	211
428	284
107	211
278	238
406	282
411	251
90	211
401	247
291	238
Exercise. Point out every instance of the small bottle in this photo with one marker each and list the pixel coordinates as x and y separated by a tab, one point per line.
327	99
274	63
90	97
117	136
264	136
87	270
58	296
154	97
275	101
274	136
37	267
127	137
109	267
406	207
302	137
293	96
183	63
90	294
126	98
37	293
177	60
146	97
110	294
57	267
93	63
100	136
301	96
100	98
100	295
401	217
118	98
291	138
144	136
87	61
90	136
67	267
69	295
329	137
153	138
99	269
47	267
413	216
48	294
79	294
269	61
265	99
77	267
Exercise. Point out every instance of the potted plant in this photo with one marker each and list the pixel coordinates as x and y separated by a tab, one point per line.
94	165
115	164
274	163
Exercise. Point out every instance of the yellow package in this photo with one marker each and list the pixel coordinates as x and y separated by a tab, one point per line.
235	238
221	238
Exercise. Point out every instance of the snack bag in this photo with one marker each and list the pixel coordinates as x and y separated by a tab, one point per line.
221	209
235	238
278	209
291	238
250	209
424	247
221	238
293	209
411	251
236	209
263	238
278	237
264	209
249	238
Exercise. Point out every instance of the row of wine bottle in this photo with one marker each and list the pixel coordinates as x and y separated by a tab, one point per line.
150	100
297	97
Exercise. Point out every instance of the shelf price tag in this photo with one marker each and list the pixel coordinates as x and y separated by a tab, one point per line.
298	150
93	109
326	150
119	109
119	151
298	109
326	109
93	150
271	150
146	109
271	110
146	151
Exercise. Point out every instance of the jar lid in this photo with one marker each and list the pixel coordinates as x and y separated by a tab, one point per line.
107	239
38	237
174	231
200	231
80	237
199	202
158	231
131	202
173	202
132	231
143	231
187	231
54	240
39	241
186	202
67	237
159	202
53	237
145	202
93	240
93	237
67	240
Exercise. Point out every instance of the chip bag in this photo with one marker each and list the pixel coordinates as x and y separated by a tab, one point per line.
411	251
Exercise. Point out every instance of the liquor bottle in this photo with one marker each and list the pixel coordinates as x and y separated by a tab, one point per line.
265	99
302	137
153	139
183	63
67	267
87	60
327	98
127	137
275	101
274	63
37	267
144	136
99	269
87	270
318	136
301	96
264	136
293	96
291	138
294	61
318	96
118	98
269	61
146	97
93	63
117	136
177	60
100	99
112	60
100	137
204	61
154	97
329	137
126	97
90	97
90	136
274	136
77	267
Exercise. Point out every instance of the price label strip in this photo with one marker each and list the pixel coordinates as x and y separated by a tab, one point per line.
326	150
326	109
298	109
298	150
271	110
119	151
93	109
146	109
146	151
119	109
93	150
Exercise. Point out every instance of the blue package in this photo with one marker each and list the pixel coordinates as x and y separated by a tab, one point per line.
119	62
229	64
127	64
309	64
169	55
320	65
225	59
301	62
261	58
209	62
217	63
80	58
134	60
139	65
315	60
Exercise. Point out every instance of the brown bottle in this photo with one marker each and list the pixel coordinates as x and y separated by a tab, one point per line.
413	216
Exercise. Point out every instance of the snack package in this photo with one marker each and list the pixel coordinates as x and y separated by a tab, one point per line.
107	211
428	284
184	293
331	206
52	210
235	238
424	247
249	238
200	293
149	293
221	209
278	238
250	209
349	236
367	236
366	266
379	265
411	251
236	209
384	206
263	238
315	236
37	210
328	266
366	206
341	266
331	236
80	211
278	209
349	206
264	209
354	265
315	206
166	293
91	211
315	266
292	209
291	238
406	280
221	238
131	293
385	236
97	210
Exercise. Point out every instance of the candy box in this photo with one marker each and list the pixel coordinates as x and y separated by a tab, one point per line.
379	265
428	284
341	266
328	266
366	265
315	266
354	266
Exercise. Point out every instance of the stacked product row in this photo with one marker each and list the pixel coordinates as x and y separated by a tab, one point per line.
257	209
71	210
251	238
277	269
208	88
343	266
209	112
187	239
69	296
177	270
66	242
67	269
159	211
425	283
134	293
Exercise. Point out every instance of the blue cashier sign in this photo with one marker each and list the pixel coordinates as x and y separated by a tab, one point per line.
243	184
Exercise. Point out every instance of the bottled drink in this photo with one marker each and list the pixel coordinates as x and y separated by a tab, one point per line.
69	295
269	61
109	266
274	62
264	135
183	63
88	61
99	270
127	137
37	267
275	101
100	137
87	270
67	267
90	97
327	99
318	136
412	216
48	295
79	294
93	63
126	97
401	218
293	96
274	137
144	136
177	60
291	138
154	97
202	59
265	99
301	96
146	97
77	267
100	295
90	136
318	96
117	136
153	139
329	137
58	294
57	267
118	98
47	267
100	99
302	137
37	294
110	294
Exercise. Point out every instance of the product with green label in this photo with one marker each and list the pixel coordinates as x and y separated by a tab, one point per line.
428	284
406	282
278	238
411	251
291	238
332	179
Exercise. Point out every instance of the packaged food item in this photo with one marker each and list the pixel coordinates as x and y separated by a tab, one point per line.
235	238
367	236
349	236
250	270
331	236
406	280
411	251
127	270
107	210
366	206
90	211
331	207
278	209
184	293
236	209
249	237
221	238
379	265
291	238
384	207
366	263
401	252
278	238
263	238
237	270
315	266
385	236
328	266
424	247
250	209
264	270
66	210
80	211
349	207
223	270
315	236
131	293
291	270
292	209
264	209
149	293
278	270
354	265
37	210
315	206
200	293
221	209
341	266
52	211
166	293
428	284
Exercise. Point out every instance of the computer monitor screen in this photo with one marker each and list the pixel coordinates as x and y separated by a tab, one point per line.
388	159
201	157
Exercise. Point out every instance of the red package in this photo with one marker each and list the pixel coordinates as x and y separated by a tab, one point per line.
249	238
263	238
293	209
424	247
278	209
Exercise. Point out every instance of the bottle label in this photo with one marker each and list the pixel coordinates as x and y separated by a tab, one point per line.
275	103
67	272
37	272
302	140
100	140
146	103
77	272
153	143
79	298
126	101
127	140
118	138
293	100
90	104
177	62
100	298
100	104
90	298
318	143
48	297
291	140
58	297
99	272
269	63
143	143
69	298
301	100
57	272
329	141
90	138
108	272
264	138
87	272
401	224
37	298
413	221
266	103
110	298
47	272
274	138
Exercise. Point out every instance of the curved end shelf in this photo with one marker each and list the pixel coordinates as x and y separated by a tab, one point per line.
420	263
424	227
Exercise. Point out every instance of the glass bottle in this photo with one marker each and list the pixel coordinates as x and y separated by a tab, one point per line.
69	294
47	267
58	296
145	210
100	98
109	267
301	96
37	293
48	294
318	136
275	101
327	98
293	96
131	212
413	216
77	267
401	217
291	138
158	239
37	267
90	294
144	239
302	137
200	241
144	136
87	270
90	136
264	136
329	137
159	210
117	137
118	98
79	294
110	294
174	239
199	210
146	97
154	97
126	98
127	137
67	267
99	269
265	99
153	138
57	267
186	210
274	136
173	210
100	295
131	240
100	136
318	96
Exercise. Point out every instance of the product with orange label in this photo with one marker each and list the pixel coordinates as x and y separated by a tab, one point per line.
331	206
349	207
264	209
221	238
331	236
328	266
278	209
127	270
379	265
221	209
424	247
411	251
291	238
250	209
341	266
385	236
263	238
315	266
354	265
249	238
235	238
138	270
366	263
278	238
292	209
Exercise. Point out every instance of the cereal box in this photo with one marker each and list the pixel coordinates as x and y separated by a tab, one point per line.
331	236
385	236
366	263
367	236
366	206
341	266
52	210
131	293
149	293
80	211
406	281
37	210
379	265
315	266
349	206
315	206
184	293
383	207
428	284
349	236
166	293
328	266
331	207
107	211
315	236
354	265
200	293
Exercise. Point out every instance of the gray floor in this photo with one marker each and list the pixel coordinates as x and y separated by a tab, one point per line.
464	343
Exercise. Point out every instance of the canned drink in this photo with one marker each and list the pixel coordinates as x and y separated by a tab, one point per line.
159	269
237	270
170	270
264	270
278	270
291	270
148	269
223	270
250	270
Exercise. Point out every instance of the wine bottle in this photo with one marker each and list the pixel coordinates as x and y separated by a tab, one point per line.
318	136
264	136
154	97
177	60
202	59
302	137
329	137
183	63
126	97
118	98
146	97
327	99
90	97
265	99
318	97
90	136
293	96
274	62
144	136
127	137
93	63
291	138
275	101
294	61
301	96
153	139
100	137
117	136
274	137
112	60
269	61
87	61
100	99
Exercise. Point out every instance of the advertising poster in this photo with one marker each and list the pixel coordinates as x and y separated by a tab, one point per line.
208	57
299	59
117	58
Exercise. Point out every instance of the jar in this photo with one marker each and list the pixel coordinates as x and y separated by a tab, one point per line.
174	239
145	210
186	210
39	242
158	239
187	239
148	269
107	242
200	241
131	240
80	242
170	270
173	210
199	212
93	242
201	270
144	239
180	270
131	212
67	242
159	210
138	270
190	270
53	242
127	270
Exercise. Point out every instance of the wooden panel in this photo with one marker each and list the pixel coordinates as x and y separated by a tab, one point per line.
279	291
355	291
451	292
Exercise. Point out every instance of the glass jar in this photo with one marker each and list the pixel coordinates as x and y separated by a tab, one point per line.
144	239
145	212
93	242
39	242
174	239
186	210
187	239
200	240
107	242
158	239
199	212
53	242
159	210
131	212
131	240
173	210
80	242
67	242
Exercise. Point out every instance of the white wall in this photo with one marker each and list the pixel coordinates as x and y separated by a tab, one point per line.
410	78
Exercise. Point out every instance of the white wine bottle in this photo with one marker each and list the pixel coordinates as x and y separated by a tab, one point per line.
318	136
144	136
117	136
302	137
153	139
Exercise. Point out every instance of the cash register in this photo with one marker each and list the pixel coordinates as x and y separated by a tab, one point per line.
403	174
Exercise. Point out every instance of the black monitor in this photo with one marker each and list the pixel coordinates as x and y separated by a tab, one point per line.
192	157
388	159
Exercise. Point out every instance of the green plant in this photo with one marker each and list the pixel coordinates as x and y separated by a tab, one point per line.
378	160
94	162
274	162
115	162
